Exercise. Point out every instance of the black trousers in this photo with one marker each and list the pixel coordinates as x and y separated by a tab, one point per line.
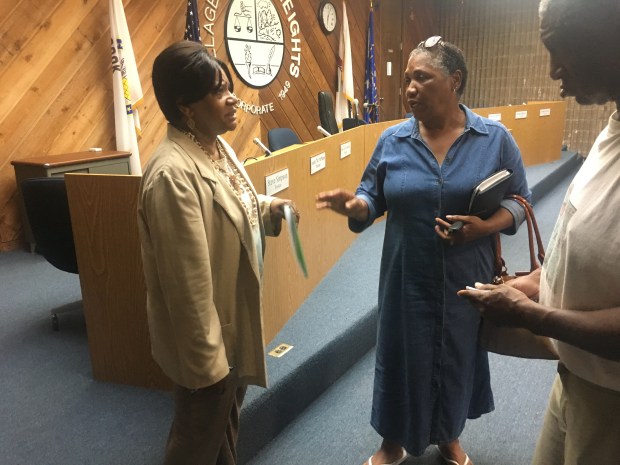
206	424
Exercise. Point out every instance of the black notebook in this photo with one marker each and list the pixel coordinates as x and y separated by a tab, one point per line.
487	196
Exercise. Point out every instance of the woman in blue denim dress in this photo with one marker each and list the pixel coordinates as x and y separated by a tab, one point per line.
430	374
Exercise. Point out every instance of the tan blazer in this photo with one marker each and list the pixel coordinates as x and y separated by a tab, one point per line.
201	268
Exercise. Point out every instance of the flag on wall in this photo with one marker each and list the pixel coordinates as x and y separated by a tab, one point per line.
192	22
344	95
126	87
371	111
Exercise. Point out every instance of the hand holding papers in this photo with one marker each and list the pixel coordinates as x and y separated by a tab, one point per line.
298	252
486	197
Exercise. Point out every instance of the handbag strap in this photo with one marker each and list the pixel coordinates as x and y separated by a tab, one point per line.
532	233
532	224
500	264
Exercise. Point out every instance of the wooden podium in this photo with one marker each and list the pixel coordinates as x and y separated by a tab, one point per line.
105	229
108	162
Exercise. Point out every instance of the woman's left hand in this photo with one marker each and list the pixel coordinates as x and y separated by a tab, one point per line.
276	208
473	228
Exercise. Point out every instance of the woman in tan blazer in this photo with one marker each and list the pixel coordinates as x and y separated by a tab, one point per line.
202	228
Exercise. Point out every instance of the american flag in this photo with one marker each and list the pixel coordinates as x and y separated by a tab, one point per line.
371	110
192	23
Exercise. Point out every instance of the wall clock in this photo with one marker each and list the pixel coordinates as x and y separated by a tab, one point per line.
327	16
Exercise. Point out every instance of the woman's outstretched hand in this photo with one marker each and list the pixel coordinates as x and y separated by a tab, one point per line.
343	202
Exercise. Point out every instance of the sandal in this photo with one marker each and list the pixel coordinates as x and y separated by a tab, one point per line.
398	462
449	461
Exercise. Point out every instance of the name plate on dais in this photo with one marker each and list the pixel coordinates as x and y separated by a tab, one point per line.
317	162
345	149
276	182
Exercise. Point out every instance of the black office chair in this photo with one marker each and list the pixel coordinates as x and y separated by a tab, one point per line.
47	208
326	112
279	138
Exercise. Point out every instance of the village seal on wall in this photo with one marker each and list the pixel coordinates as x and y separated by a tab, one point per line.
254	39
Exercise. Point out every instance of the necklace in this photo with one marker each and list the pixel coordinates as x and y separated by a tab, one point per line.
234	178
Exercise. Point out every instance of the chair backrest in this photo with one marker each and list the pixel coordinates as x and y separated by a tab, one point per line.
47	208
279	138
350	123
326	112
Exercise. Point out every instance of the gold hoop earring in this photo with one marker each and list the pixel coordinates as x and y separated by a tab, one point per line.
191	124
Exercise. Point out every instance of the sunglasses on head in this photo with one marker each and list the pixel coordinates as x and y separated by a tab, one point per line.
431	42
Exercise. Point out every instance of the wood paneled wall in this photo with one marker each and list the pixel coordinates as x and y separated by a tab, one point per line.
508	65
56	91
56	94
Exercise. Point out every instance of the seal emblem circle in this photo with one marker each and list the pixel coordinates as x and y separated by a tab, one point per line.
254	40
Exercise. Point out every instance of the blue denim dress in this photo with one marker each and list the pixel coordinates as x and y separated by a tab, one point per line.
430	374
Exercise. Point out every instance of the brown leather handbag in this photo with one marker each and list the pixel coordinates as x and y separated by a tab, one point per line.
505	340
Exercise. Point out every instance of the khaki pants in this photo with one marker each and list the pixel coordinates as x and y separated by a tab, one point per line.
206	425
582	424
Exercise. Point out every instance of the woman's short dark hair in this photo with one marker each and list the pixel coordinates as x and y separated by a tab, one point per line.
447	57
184	73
